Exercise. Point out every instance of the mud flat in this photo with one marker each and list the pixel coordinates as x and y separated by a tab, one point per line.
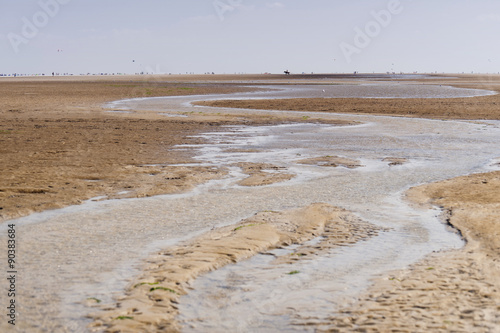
398	99
59	146
115	255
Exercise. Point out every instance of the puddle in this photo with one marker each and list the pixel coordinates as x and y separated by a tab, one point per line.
123	192
494	164
173	115
119	111
98	198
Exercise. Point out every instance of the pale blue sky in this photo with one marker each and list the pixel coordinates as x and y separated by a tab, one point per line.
251	36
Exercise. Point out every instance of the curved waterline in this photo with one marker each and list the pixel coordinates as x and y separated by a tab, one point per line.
370	90
93	250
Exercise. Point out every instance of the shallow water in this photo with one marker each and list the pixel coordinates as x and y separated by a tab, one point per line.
181	104
95	249
258	296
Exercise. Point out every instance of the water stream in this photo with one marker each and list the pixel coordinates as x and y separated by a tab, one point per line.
95	249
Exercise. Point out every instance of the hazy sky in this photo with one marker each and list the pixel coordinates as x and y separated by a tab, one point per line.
251	36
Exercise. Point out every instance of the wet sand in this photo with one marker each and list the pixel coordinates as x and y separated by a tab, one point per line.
263	174
456	291
60	146
451	291
150	305
484	107
450	299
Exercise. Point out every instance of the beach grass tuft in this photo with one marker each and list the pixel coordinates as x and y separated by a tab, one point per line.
163	288
148	283
244	226
97	300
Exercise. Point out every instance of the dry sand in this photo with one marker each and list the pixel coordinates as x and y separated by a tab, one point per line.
55	142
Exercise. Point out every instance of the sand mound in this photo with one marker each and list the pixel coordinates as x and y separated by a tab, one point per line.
150	304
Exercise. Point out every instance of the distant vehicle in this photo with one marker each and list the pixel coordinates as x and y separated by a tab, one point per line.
286	72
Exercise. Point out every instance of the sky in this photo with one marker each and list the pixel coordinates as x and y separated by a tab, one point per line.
249	36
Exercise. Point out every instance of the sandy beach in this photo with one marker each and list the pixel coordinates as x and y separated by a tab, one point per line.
61	146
